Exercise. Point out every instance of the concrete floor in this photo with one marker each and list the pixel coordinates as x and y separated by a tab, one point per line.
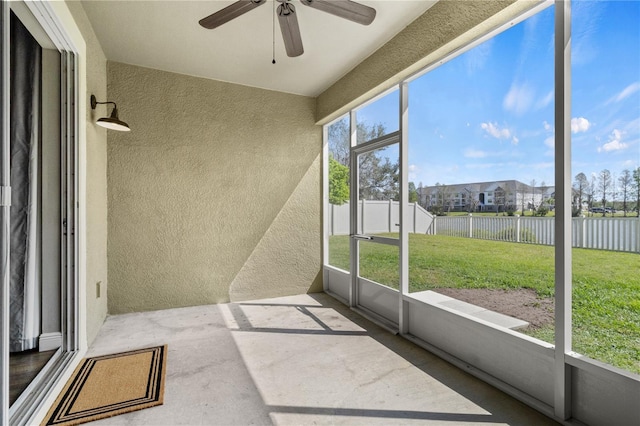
299	360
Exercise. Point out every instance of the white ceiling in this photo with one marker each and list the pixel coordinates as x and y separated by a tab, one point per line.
165	35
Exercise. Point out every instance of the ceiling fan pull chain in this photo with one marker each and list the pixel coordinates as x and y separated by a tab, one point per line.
273	35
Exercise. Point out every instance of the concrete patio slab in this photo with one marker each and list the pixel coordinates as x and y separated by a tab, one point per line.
300	360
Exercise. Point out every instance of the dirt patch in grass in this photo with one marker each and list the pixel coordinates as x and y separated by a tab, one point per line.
523	304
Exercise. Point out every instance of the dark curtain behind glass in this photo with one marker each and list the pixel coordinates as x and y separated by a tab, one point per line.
25	63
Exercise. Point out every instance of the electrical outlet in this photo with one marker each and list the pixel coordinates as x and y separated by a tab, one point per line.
98	284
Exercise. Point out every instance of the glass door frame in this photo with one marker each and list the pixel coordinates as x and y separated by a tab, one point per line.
5	203
397	137
63	361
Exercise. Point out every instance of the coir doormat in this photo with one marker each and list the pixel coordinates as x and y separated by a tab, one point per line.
109	385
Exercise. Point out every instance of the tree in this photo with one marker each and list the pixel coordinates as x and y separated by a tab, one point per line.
435	199
533	195
378	175
581	186
500	198
613	193
338	182
421	196
340	138
636	188
592	192
625	180
339	141
604	188
413	193
538	203
521	188
472	199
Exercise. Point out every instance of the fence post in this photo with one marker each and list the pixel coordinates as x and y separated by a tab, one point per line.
391	214
362	218
433	224
638	234
470	225
583	232
332	221
517	228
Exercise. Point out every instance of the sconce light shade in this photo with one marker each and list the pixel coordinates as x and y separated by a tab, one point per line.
112	122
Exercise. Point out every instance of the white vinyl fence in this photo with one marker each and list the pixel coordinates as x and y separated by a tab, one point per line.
377	217
603	233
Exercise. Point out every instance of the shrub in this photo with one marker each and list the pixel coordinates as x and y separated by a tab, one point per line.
541	211
438	210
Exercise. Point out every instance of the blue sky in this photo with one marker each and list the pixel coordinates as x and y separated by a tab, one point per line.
488	114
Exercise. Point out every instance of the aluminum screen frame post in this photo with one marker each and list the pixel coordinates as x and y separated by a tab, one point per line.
353	210
5	211
563	272
403	311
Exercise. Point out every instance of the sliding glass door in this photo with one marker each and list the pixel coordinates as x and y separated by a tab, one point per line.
5	198
38	201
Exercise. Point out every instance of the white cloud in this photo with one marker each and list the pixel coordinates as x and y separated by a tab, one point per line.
495	131
543	102
547	126
519	99
543	165
579	124
413	171
614	145
584	48
625	93
475	153
550	141
515	140
475	59
615	142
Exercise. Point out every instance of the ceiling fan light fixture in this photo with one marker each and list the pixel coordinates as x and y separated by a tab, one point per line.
347	9
290	29
288	20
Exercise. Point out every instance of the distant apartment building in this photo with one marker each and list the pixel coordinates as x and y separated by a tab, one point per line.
495	196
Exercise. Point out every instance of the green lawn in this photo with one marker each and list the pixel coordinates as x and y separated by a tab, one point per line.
606	285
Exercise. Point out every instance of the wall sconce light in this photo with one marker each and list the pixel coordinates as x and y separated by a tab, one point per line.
112	122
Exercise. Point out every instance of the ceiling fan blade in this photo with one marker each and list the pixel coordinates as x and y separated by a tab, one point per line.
346	9
230	12
290	29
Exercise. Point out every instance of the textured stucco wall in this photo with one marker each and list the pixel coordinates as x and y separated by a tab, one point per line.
445	27
213	196
96	181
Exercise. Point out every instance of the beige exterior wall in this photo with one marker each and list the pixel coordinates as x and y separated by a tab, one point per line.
213	196
445	27
96	180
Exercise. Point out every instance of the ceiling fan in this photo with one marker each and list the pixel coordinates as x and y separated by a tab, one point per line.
288	20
